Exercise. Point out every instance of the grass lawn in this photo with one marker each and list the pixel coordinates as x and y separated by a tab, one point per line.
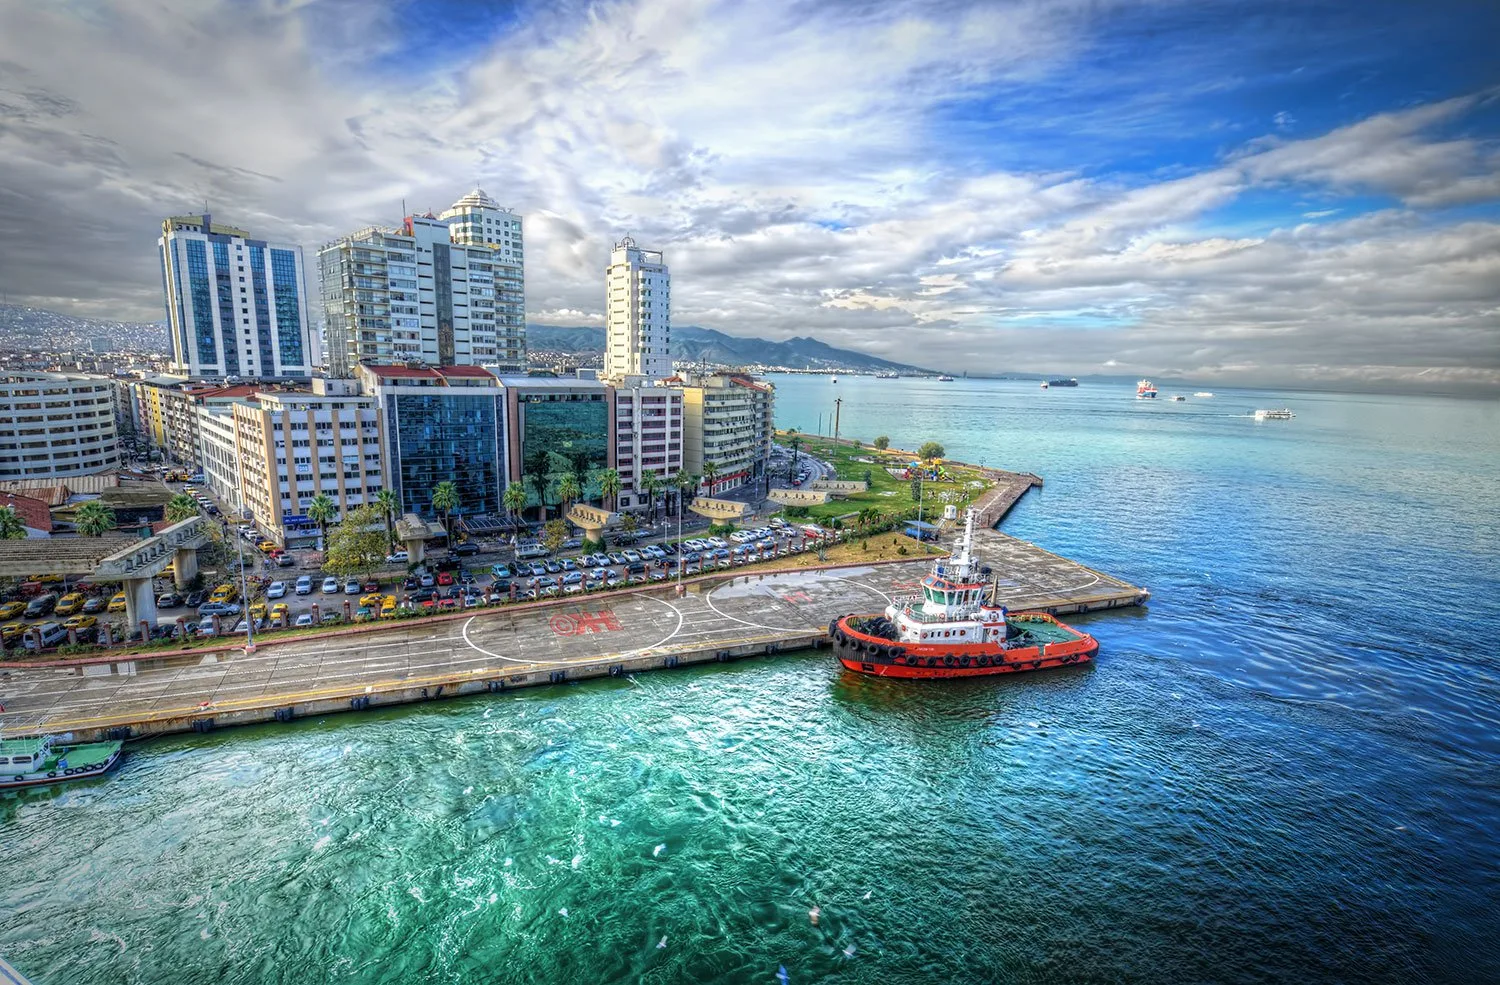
887	493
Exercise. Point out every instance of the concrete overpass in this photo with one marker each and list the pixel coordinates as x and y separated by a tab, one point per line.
131	561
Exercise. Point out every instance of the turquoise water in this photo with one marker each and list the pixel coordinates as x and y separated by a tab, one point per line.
1283	770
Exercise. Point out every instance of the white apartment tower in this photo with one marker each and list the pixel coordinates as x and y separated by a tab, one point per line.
236	306
637	314
445	291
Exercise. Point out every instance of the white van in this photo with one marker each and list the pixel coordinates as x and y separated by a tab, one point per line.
528	551
52	634
304	585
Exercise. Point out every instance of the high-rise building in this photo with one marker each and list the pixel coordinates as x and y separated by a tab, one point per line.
637	314
56	425
443	291
443	423
728	420
557	427
293	446
648	437
236	306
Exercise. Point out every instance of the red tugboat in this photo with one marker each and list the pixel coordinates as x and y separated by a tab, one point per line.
955	629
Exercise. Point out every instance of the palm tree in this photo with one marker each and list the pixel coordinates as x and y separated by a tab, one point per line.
11	527
445	501
651	485
94	519
321	511
514	499
685	482
181	507
609	486
710	473
568	490
389	504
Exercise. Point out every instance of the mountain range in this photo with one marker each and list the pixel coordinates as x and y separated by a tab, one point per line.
705	345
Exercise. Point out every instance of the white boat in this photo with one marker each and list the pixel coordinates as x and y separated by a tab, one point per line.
1145	390
833	379
1045	384
1203	393
945	379
1283	414
37	760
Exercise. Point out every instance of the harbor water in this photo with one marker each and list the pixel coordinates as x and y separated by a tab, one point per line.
1283	769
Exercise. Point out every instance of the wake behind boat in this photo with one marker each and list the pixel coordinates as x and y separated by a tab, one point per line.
955	629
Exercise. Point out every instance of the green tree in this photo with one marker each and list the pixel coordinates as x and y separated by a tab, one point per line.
609	486
553	534
514	499
867	518
882	443
568	490
11	527
389	505
321	511
930	450
357	545
652	485
710	473
791	469
445	501
181	507
94	519
628	523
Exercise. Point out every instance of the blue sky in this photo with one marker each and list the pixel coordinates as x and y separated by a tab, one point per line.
1239	192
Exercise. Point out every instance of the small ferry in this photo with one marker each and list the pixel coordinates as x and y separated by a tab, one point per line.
955	628
1044	384
945	379
1274	415
38	760
1179	398
1067	382
833	379
1145	390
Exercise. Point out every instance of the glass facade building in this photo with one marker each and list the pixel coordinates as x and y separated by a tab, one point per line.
562	432
448	434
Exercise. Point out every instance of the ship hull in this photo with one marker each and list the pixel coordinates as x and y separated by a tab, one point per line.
46	777
877	656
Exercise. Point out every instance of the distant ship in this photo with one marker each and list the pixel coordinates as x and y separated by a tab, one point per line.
1203	393
945	379
1274	415
1067	382
833	379
887	376
1044	384
1179	398
1145	390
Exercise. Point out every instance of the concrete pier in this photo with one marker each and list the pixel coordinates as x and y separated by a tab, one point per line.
719	617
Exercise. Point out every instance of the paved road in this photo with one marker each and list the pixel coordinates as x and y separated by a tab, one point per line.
749	608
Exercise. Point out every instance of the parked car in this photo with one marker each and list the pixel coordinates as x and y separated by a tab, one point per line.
528	551
445	578
500	570
276	590
169	600
304	585
218	609
286	561
52	634
398	557
69	604
573	578
304	619
423	595
467	549
351	587
426	579
41	606
194	599
331	586
95	605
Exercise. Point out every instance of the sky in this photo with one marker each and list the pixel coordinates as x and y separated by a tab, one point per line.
1255	193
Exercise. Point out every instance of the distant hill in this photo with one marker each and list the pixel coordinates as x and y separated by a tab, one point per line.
693	344
37	328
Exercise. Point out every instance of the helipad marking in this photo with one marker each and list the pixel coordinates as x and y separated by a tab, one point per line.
708	597
624	653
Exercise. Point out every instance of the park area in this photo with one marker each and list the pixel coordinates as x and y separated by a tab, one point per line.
888	497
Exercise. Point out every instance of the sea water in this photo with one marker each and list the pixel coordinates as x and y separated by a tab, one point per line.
1282	769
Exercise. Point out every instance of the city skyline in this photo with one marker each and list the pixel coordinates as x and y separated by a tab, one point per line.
1254	195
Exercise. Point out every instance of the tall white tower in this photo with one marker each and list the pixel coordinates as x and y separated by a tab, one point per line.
637	314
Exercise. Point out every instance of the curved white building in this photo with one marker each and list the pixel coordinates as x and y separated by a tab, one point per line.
56	425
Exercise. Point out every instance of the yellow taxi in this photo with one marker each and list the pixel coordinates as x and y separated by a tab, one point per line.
258	610
69	604
12	631
117	604
388	607
372	601
48	579
80	622
280	612
224	593
11	610
267	546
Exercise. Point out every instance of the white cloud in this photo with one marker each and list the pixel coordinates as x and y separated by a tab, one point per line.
798	186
